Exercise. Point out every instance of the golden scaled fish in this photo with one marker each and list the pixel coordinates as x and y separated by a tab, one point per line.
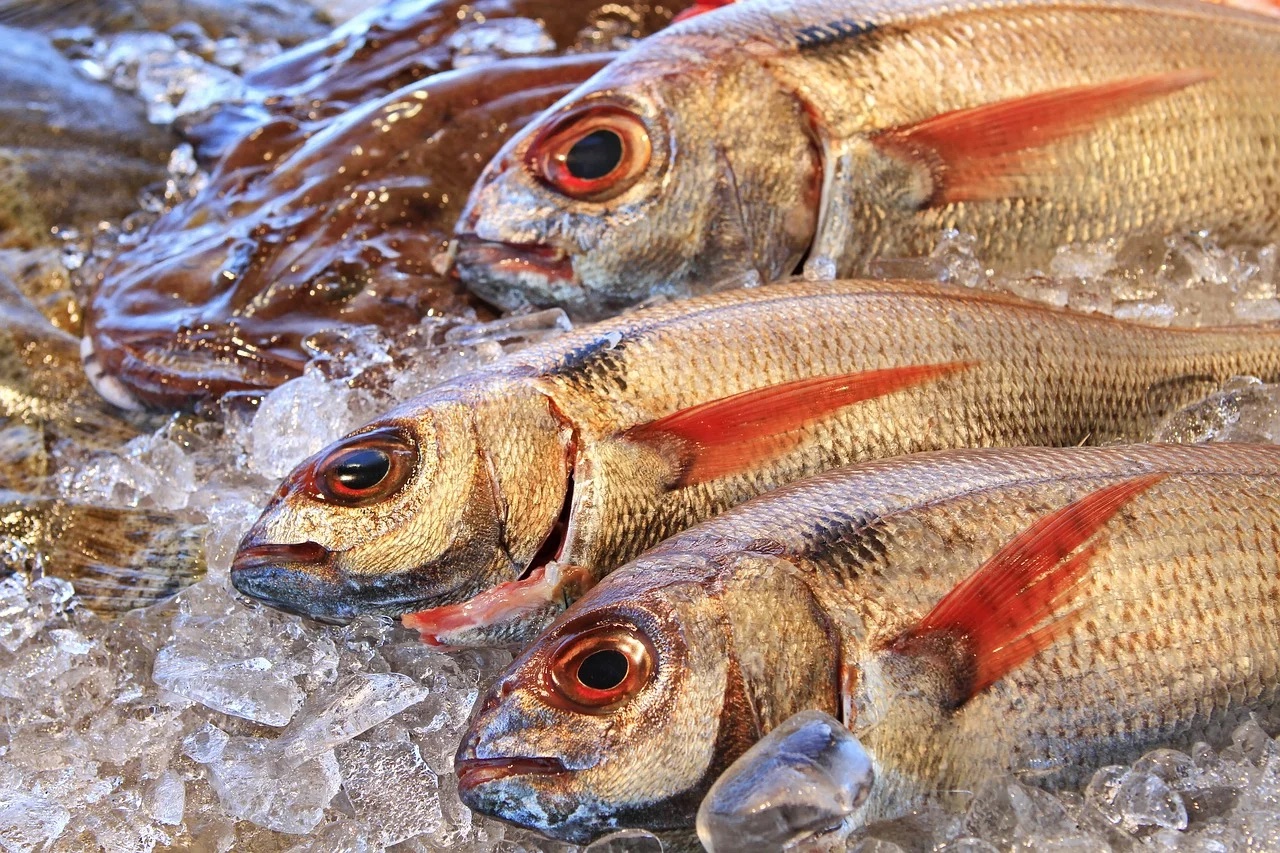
738	143
497	497
966	614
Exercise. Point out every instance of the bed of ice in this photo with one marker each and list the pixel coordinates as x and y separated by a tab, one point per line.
208	724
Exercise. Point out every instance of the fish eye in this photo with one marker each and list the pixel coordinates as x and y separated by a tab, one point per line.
593	154
365	468
596	671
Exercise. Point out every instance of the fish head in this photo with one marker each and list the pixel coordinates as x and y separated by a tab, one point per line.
641	182
411	511
625	710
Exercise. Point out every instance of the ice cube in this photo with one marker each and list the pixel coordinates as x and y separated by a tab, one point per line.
801	779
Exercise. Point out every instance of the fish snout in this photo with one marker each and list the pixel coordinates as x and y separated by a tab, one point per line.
512	275
294	577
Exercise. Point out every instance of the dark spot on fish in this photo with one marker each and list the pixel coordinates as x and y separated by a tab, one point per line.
821	35
596	362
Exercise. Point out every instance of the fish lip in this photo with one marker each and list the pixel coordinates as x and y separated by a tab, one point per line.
497	258
303	578
474	772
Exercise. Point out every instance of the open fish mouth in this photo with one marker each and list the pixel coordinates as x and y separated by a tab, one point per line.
474	772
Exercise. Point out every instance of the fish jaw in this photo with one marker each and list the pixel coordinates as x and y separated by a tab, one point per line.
515	275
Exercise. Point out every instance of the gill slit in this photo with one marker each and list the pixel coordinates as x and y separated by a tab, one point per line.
552	547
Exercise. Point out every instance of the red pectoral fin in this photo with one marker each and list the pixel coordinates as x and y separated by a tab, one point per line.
993	614
980	153
699	8
740	432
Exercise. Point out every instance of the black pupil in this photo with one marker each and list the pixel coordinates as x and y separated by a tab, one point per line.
594	155
603	670
361	469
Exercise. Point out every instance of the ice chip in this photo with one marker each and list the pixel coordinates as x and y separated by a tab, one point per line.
804	777
255	783
358	703
28	822
391	789
166	798
249	687
205	745
297	419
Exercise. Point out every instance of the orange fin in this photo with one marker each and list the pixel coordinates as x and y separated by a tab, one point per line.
992	615
736	433
979	153
1264	7
701	7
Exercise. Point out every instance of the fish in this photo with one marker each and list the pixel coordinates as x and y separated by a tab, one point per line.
745	142
479	509
332	200
304	229
965	614
118	558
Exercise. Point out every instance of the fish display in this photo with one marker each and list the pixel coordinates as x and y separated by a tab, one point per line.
492	500
738	143
965	614
335	207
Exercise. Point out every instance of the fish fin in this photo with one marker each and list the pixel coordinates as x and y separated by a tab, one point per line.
514	611
1262	7
117	559
986	626
980	153
730	435
700	8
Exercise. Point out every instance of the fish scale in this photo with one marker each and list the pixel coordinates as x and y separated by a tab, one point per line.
822	593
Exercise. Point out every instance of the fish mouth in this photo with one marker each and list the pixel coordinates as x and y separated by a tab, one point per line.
512	259
474	772
516	275
288	577
305	579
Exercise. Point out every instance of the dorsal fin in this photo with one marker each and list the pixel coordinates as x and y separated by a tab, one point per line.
980	153
736	433
992	615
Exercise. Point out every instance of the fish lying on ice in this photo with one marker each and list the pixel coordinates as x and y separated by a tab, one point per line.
507	491
966	614
739	142
335	209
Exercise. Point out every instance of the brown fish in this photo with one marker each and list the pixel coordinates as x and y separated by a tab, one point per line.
513	488
966	614
739	142
306	228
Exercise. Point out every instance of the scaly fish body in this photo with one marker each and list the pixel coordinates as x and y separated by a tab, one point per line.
970	613
739	142
525	482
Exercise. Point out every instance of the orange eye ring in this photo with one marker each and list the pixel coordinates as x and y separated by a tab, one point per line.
594	153
600	669
365	468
